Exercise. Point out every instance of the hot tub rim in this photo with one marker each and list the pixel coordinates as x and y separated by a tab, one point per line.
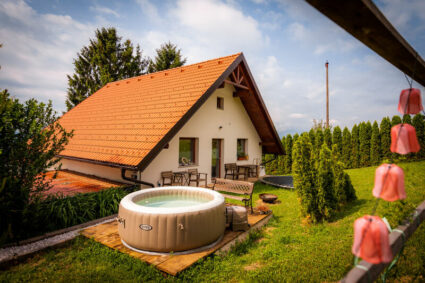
127	201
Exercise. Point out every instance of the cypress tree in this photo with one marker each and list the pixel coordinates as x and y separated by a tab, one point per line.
312	135
355	143
385	138
326	200
364	137
327	137
337	139
346	148
350	192
419	124
319	139
288	149
295	138
281	162
395	120
375	145
303	173
407	119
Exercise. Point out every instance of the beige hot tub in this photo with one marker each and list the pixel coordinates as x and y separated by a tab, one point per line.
171	219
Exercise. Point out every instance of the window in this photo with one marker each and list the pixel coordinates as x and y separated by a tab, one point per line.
220	103
187	151
242	152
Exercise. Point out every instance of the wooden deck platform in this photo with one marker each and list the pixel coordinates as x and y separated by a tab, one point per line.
107	234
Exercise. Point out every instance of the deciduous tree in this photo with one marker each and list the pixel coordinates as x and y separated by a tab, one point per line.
30	139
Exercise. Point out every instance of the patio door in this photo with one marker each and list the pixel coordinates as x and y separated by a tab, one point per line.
216	158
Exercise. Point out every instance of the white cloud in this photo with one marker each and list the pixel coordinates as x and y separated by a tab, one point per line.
297	115
149	10
104	10
38	51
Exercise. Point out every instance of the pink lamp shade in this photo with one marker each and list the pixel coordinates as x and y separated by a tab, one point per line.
410	104
389	183
403	139
371	240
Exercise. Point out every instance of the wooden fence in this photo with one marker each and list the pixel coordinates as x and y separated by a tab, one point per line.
368	272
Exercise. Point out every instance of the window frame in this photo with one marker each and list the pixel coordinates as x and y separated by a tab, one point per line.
194	150
220	103
245	149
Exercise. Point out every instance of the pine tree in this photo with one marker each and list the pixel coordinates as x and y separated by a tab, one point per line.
407	119
326	200
337	139
303	173
167	57
419	124
346	148
395	120
385	138
327	137
355	147
288	149
375	145
364	137
105	59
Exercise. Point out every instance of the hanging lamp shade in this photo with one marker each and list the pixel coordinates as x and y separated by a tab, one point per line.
371	240
410	103
403	139
389	183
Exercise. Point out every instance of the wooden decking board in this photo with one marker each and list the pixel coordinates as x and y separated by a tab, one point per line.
107	234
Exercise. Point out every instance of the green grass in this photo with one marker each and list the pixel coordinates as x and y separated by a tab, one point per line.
287	250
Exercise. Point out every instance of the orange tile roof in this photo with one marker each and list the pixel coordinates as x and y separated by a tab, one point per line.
124	120
70	183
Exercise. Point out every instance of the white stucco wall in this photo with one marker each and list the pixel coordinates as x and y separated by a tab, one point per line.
110	173
203	125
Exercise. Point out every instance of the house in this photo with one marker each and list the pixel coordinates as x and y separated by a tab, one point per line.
197	116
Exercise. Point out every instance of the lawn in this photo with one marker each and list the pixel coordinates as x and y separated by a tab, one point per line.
286	250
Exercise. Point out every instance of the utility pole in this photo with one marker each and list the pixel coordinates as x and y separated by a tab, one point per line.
327	95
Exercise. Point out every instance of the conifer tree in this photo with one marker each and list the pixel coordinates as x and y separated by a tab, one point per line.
355	147
304	182
295	138
419	124
105	59
327	137
385	133
407	119
288	150
281	158
395	120
326	200
346	148
312	136
364	137
337	139
350	192
167	57
375	145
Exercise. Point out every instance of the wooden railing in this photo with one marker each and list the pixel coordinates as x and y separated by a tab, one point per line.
368	272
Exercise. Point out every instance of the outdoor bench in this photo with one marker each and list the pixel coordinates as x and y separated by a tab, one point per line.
242	188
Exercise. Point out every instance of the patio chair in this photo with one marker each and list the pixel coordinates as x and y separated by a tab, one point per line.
167	178
230	169
194	176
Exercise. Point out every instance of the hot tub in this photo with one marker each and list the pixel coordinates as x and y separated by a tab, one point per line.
171	219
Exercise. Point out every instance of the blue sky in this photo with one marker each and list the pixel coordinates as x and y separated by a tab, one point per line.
286	43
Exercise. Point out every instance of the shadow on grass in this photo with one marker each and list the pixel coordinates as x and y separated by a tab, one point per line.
349	209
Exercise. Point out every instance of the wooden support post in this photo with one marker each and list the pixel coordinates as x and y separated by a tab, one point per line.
370	272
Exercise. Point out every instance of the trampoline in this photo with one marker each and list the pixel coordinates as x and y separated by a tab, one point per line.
286	182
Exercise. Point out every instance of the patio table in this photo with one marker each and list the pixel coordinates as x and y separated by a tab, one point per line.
183	176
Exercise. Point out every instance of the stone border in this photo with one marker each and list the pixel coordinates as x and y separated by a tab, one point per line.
51	239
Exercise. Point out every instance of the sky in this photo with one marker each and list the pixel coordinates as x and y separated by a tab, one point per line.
286	44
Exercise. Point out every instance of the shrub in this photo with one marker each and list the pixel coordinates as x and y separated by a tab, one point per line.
304	177
30	140
326	200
